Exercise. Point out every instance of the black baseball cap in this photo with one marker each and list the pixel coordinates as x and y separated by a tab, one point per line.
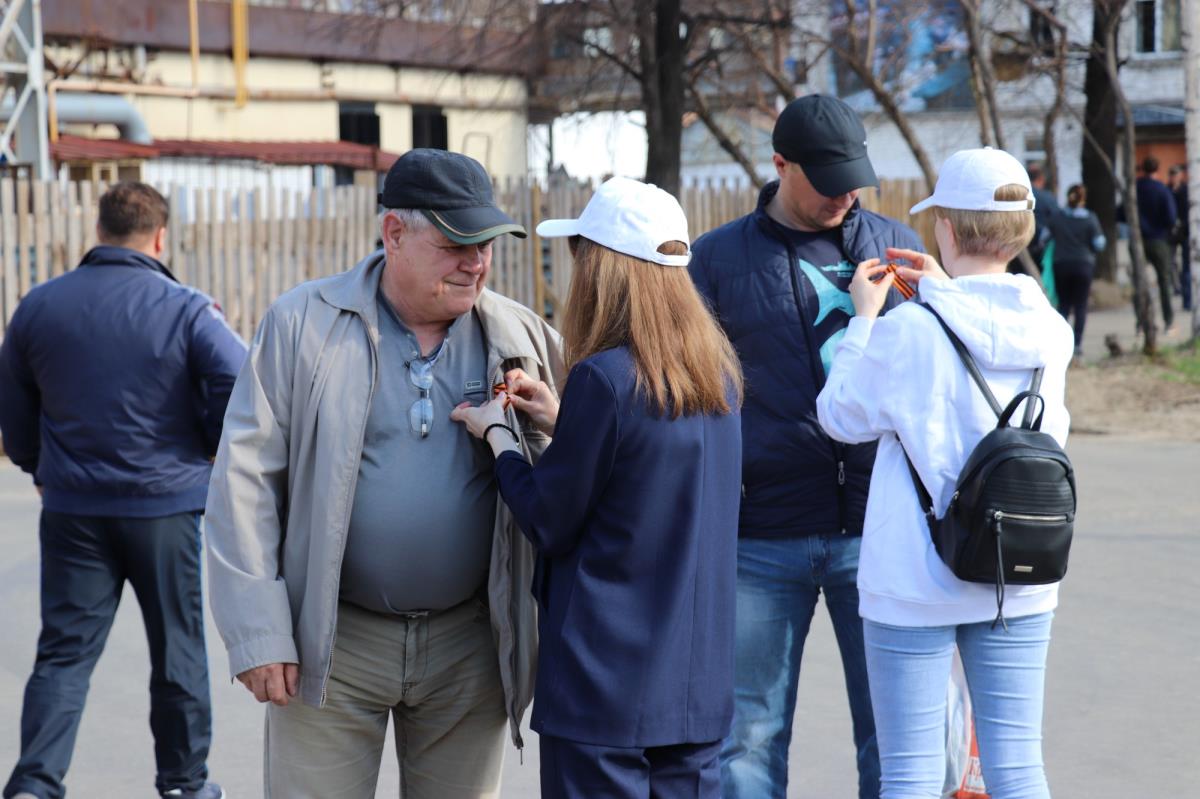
452	190
827	139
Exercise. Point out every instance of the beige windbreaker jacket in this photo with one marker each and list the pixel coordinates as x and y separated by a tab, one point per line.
284	478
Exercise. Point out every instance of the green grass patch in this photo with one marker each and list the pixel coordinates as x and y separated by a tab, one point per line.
1183	363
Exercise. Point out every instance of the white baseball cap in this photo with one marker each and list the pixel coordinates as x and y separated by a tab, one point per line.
630	217
969	179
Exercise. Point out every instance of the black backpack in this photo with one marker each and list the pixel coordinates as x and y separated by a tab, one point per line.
1013	511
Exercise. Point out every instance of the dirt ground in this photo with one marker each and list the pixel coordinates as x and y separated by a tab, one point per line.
1128	397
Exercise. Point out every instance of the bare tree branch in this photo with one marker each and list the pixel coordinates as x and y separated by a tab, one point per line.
727	144
987	80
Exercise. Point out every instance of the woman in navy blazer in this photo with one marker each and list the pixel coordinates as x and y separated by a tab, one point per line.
633	509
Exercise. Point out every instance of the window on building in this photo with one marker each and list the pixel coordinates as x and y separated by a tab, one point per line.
600	38
429	127
1157	27
1035	148
358	122
1041	32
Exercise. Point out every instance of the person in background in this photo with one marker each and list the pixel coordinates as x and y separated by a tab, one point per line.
1077	239
1156	217
633	510
898	380
113	384
1046	209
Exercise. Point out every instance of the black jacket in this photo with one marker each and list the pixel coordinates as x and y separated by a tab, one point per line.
795	479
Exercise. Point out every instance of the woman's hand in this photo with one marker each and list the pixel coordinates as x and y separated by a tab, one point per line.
923	265
868	293
477	419
533	398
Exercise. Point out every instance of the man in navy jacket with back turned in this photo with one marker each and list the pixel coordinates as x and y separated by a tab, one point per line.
778	280
113	385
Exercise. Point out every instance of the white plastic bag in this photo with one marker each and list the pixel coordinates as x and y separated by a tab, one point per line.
964	779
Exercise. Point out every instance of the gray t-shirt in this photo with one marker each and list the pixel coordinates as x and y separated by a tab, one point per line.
421	527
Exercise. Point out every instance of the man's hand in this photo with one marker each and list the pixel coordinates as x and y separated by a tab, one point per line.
274	682
534	398
868	293
477	419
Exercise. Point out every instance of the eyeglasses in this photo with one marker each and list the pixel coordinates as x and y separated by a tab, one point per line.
420	415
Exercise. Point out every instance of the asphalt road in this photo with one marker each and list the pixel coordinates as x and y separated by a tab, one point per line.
1122	718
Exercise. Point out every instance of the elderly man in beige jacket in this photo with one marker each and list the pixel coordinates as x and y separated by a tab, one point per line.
361	563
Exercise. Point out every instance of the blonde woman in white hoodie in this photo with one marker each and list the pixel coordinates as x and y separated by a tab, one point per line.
898	379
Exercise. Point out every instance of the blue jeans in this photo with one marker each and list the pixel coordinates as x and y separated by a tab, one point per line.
85	563
910	667
779	581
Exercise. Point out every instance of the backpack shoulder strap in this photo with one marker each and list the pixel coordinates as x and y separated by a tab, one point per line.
922	493
968	361
1035	386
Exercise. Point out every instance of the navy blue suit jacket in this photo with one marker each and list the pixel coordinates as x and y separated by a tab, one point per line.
635	519
113	384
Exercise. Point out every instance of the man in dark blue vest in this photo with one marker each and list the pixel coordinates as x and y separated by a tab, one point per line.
778	280
115	379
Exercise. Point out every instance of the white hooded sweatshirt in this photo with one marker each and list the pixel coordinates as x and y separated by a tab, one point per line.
899	376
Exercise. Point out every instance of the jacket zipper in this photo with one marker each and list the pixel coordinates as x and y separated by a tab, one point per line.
840	454
362	435
1000	515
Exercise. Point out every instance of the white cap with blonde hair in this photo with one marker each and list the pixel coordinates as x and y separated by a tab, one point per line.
969	179
630	217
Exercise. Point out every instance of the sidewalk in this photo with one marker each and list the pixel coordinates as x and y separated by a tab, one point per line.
1121	720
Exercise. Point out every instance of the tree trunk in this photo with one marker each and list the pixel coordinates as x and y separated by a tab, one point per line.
1141	291
982	67
1049	138
981	103
661	50
1100	116
1191	105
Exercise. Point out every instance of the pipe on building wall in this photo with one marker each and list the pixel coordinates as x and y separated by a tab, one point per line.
96	109
282	95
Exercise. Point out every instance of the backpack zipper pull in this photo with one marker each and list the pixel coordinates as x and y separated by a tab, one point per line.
841	473
998	518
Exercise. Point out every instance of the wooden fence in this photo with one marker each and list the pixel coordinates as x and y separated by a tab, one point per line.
246	247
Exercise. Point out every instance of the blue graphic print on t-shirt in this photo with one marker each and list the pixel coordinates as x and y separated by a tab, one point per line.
832	286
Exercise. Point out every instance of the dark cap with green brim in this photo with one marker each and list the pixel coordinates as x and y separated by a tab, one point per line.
452	190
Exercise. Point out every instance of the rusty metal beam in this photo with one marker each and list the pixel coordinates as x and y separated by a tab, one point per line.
292	33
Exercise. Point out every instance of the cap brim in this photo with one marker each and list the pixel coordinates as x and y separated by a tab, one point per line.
558	228
834	180
921	206
473	225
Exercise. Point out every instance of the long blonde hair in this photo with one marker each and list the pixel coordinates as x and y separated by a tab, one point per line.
684	362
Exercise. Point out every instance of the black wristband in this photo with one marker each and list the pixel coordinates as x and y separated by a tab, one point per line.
502	426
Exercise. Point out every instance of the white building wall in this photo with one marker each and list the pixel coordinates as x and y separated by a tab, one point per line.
485	114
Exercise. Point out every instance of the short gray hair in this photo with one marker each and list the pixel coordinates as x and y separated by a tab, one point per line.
411	218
